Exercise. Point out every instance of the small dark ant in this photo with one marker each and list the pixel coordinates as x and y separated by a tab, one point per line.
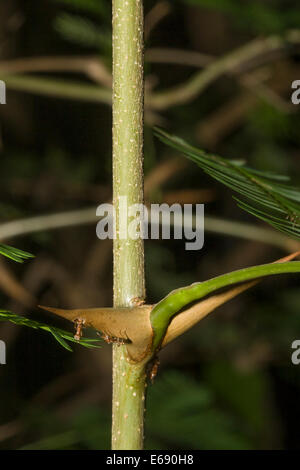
154	369
109	339
79	323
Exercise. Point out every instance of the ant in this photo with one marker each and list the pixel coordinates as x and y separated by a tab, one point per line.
109	339
79	323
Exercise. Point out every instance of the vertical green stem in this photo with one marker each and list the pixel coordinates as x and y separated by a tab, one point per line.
129	284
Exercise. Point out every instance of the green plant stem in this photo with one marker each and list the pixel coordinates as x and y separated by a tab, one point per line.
128	402
129	284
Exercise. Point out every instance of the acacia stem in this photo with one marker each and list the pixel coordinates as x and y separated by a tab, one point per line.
129	284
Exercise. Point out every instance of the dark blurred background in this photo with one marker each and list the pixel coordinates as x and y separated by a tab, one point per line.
227	384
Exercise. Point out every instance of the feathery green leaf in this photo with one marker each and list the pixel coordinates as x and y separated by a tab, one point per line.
98	7
79	30
14	253
59	334
267	197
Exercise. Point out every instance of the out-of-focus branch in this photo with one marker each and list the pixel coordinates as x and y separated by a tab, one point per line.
57	88
250	232
162	173
226	64
20	227
223	121
169	55
267	94
263	84
199	60
13	288
9	429
92	67
155	16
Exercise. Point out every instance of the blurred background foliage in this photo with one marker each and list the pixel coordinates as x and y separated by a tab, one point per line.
227	384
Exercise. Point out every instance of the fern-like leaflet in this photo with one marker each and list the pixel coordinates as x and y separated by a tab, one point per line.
268	197
60	335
